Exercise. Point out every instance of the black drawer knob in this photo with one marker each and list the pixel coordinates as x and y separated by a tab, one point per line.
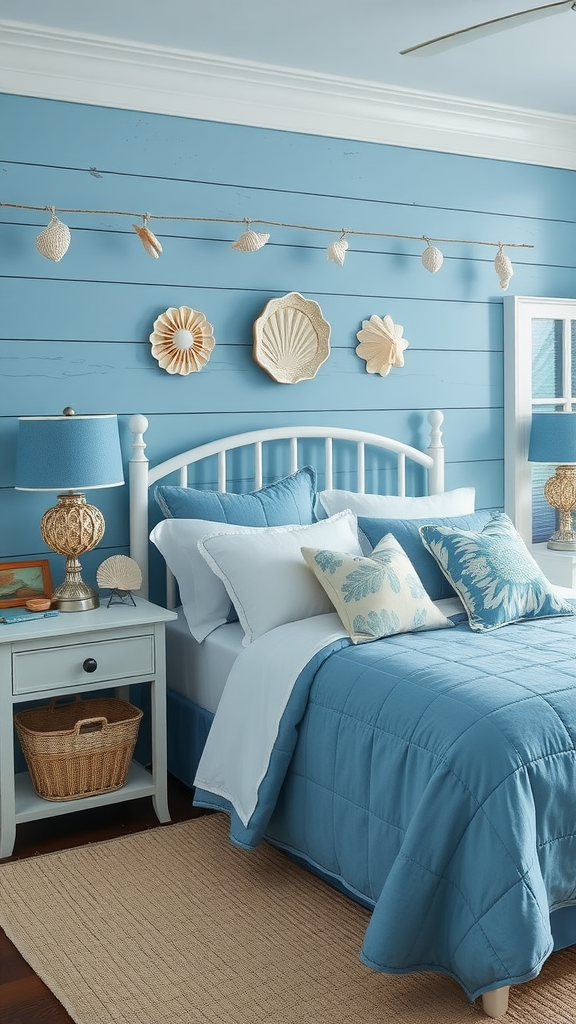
90	665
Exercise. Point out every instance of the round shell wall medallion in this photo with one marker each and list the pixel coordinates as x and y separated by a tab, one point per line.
291	339
381	344
182	340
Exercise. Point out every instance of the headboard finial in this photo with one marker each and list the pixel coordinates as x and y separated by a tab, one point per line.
138	425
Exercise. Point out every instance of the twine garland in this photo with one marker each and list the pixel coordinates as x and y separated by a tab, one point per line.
432	257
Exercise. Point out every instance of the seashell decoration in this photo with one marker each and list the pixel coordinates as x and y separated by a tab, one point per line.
119	573
337	251
504	268
250	241
432	258
182	340
381	344
149	240
291	339
54	240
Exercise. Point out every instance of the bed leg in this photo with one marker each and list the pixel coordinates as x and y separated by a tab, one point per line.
495	1003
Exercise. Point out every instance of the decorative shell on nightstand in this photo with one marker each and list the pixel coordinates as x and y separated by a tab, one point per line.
291	339
381	344
119	573
182	340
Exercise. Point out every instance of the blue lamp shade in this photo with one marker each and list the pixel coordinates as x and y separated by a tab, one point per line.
68	453
553	438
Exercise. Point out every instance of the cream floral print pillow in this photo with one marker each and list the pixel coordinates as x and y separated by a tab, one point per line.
375	596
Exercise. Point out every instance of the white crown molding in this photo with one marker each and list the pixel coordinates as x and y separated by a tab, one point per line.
53	64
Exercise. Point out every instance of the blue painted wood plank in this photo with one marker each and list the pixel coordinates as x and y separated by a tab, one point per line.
119	256
106	139
62	187
432	324
44	378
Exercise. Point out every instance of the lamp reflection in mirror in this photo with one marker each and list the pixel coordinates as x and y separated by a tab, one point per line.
553	441
70	454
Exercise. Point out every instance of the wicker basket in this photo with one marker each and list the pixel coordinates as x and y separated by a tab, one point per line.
78	749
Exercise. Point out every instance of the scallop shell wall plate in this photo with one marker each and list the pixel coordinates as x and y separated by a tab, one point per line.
54	240
182	340
119	573
291	339
381	344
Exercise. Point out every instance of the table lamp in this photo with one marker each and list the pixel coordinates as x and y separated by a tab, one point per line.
553	440
70	454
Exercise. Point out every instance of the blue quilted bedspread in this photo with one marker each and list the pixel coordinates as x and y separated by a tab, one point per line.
434	774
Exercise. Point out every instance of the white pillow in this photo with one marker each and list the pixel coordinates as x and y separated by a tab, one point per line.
205	602
264	572
459	502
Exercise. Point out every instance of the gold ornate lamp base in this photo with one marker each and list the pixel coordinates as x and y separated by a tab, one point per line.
560	492
73	527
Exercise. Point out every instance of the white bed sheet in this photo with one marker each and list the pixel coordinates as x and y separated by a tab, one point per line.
199	671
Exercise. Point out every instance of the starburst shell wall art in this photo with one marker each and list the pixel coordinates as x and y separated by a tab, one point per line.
182	340
381	344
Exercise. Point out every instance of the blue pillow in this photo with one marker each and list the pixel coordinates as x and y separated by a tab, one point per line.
406	532
286	502
494	574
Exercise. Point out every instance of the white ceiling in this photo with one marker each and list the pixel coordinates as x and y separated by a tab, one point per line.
529	66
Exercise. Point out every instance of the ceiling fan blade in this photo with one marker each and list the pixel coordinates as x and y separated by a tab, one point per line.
486	28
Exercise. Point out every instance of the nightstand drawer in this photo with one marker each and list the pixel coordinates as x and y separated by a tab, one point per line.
79	665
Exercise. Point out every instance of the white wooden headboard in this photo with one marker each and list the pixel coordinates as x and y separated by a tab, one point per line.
142	477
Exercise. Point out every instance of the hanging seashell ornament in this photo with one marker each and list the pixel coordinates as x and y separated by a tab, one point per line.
149	241
250	241
381	344
337	251
504	268
54	240
432	258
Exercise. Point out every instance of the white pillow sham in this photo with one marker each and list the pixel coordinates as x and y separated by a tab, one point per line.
459	502
265	575
205	602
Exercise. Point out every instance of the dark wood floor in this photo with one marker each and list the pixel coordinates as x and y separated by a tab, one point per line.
24	999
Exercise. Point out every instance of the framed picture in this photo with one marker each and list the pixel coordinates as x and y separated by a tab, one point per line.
19	581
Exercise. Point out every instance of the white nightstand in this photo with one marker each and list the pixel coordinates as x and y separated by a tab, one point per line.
558	566
79	652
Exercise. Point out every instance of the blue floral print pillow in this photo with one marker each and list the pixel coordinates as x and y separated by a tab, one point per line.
375	596
494	574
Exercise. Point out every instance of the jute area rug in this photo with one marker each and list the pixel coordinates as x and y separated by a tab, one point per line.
177	926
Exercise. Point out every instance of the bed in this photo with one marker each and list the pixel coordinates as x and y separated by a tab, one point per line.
445	746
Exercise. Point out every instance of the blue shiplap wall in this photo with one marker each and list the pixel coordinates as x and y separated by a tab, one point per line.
76	332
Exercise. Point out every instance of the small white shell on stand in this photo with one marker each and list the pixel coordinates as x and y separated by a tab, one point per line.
381	344
291	339
54	240
337	251
250	241
432	259
119	573
182	340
